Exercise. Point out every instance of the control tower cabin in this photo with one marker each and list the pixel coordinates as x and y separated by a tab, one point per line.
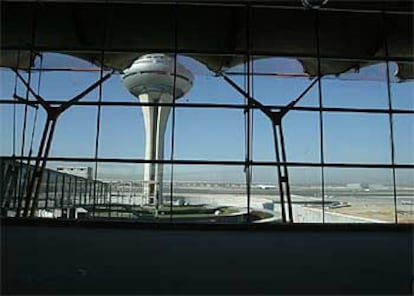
153	78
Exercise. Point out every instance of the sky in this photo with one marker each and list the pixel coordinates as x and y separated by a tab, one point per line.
217	134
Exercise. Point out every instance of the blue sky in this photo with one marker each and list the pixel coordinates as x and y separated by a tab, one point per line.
218	134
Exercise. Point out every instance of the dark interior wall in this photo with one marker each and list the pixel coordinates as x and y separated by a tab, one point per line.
115	260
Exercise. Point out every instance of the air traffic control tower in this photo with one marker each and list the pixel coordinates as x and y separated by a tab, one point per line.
156	78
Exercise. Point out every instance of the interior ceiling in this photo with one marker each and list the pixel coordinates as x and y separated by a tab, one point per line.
130	30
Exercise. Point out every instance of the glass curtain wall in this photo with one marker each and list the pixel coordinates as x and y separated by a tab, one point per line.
267	131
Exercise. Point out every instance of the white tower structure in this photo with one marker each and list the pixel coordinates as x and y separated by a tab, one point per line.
156	78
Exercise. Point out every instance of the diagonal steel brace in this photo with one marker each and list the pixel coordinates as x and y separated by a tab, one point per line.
276	119
53	113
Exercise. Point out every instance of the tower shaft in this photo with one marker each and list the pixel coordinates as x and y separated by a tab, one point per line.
155	121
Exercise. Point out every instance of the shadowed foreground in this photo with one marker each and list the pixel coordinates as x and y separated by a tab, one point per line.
54	257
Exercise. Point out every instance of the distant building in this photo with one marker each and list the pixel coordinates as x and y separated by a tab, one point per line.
84	172
355	186
379	187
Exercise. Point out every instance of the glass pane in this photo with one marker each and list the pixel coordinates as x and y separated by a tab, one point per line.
305	190
13	138
403	125
75	133
67	189
301	134
207	86
282	67
126	198
356	138
64	76
8	80
402	95
405	195
11	83
122	133
210	194
363	194
262	140
364	88
95	190
264	192
280	81
115	91
212	134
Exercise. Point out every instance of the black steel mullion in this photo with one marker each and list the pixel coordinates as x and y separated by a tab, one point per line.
47	189
175	11
98	194
249	110
320	102
70	189
229	162
75	194
390	117
105	193
110	198
85	194
62	198
222	106
230	52
55	192
102	193
90	193
100	97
